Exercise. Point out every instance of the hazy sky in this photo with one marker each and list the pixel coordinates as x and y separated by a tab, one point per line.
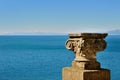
59	16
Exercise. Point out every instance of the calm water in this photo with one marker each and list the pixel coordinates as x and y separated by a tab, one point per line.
43	57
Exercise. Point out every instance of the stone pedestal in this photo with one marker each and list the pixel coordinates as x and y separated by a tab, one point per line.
85	66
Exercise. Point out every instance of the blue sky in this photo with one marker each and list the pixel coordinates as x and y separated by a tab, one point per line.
59	16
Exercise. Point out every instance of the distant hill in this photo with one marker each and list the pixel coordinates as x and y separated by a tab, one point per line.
36	33
114	32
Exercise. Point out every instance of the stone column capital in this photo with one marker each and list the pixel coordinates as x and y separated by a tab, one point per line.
85	45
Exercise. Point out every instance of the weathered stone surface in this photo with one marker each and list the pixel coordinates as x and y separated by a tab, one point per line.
85	45
85	67
78	74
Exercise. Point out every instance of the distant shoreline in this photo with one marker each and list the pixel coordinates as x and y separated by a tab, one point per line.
35	35
42	34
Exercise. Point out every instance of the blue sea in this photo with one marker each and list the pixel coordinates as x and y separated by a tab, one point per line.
43	57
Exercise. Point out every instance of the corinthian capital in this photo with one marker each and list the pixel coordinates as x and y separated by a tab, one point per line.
85	45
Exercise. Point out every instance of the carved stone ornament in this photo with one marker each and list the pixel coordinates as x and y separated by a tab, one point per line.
85	66
85	45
